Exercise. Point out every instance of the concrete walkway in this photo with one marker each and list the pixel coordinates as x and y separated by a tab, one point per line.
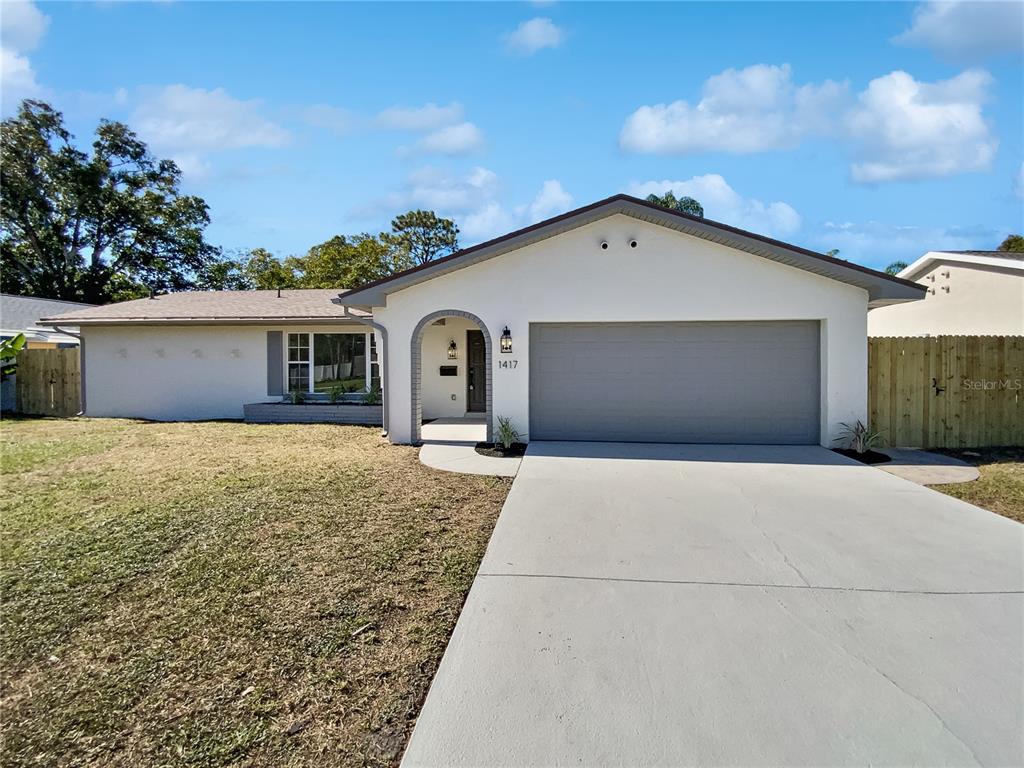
450	445
927	468
663	605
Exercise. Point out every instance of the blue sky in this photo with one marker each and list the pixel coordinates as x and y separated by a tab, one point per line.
881	129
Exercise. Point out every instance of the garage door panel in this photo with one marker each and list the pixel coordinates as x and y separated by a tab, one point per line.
747	382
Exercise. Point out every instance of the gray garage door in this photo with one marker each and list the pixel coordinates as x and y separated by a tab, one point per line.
743	382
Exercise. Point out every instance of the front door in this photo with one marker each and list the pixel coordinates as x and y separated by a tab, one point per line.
476	372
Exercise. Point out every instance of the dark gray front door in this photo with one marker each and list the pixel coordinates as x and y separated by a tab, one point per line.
714	382
476	378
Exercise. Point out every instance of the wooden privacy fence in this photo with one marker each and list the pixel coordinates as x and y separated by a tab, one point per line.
48	382
947	391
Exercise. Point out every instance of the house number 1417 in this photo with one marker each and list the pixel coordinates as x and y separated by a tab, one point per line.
508	363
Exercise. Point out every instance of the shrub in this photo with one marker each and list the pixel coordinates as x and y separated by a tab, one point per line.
297	397
507	434
334	393
372	396
859	437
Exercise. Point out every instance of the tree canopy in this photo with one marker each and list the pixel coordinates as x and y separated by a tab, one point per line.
111	223
896	267
93	226
682	204
1013	244
424	236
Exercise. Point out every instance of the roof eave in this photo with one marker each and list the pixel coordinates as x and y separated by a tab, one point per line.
915	269
296	320
880	286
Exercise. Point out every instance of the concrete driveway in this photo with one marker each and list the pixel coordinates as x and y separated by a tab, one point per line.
645	605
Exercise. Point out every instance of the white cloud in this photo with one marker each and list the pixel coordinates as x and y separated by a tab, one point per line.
534	35
334	119
748	110
17	80
472	199
189	123
446	131
722	203
176	117
459	139
550	201
878	244
491	220
897	128
966	28
494	219
22	25
905	129
429	117
438	190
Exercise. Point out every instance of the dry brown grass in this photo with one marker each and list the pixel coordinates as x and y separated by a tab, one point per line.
218	593
1001	485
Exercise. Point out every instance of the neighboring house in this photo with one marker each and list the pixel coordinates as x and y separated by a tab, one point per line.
969	293
617	321
20	314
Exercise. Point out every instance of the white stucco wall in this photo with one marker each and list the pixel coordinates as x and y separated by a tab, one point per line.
444	396
668	277
963	300
176	373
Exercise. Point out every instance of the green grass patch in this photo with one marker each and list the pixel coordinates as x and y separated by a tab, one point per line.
218	594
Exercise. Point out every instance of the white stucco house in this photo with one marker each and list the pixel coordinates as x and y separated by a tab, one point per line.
617	321
968	293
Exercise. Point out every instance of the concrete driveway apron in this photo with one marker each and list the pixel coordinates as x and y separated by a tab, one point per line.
658	605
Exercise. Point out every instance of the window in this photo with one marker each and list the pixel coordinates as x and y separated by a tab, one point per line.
298	362
322	362
374	363
339	360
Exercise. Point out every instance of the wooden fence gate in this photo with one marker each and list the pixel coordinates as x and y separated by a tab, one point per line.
947	391
48	382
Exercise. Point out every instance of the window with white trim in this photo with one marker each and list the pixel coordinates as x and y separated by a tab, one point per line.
330	362
298	362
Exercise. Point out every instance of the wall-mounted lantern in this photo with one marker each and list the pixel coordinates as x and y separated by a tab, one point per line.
453	350
506	340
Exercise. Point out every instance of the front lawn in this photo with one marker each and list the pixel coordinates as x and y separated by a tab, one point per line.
1001	485
220	593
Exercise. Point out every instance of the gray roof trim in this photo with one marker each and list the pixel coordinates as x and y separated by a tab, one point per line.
275	321
881	287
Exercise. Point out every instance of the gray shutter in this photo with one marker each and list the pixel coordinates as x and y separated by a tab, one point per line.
275	363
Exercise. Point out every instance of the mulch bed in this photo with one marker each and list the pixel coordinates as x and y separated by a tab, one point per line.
498	451
868	457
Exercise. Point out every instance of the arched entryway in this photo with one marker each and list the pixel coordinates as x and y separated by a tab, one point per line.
417	361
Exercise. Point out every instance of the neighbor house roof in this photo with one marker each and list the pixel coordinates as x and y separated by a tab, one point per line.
882	288
214	307
21	314
998	259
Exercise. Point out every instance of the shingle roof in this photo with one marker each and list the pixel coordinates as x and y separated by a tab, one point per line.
23	312
218	306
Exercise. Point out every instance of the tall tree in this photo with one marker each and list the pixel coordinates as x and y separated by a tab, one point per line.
896	267
345	262
265	271
226	274
87	226
682	204
1013	244
424	235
